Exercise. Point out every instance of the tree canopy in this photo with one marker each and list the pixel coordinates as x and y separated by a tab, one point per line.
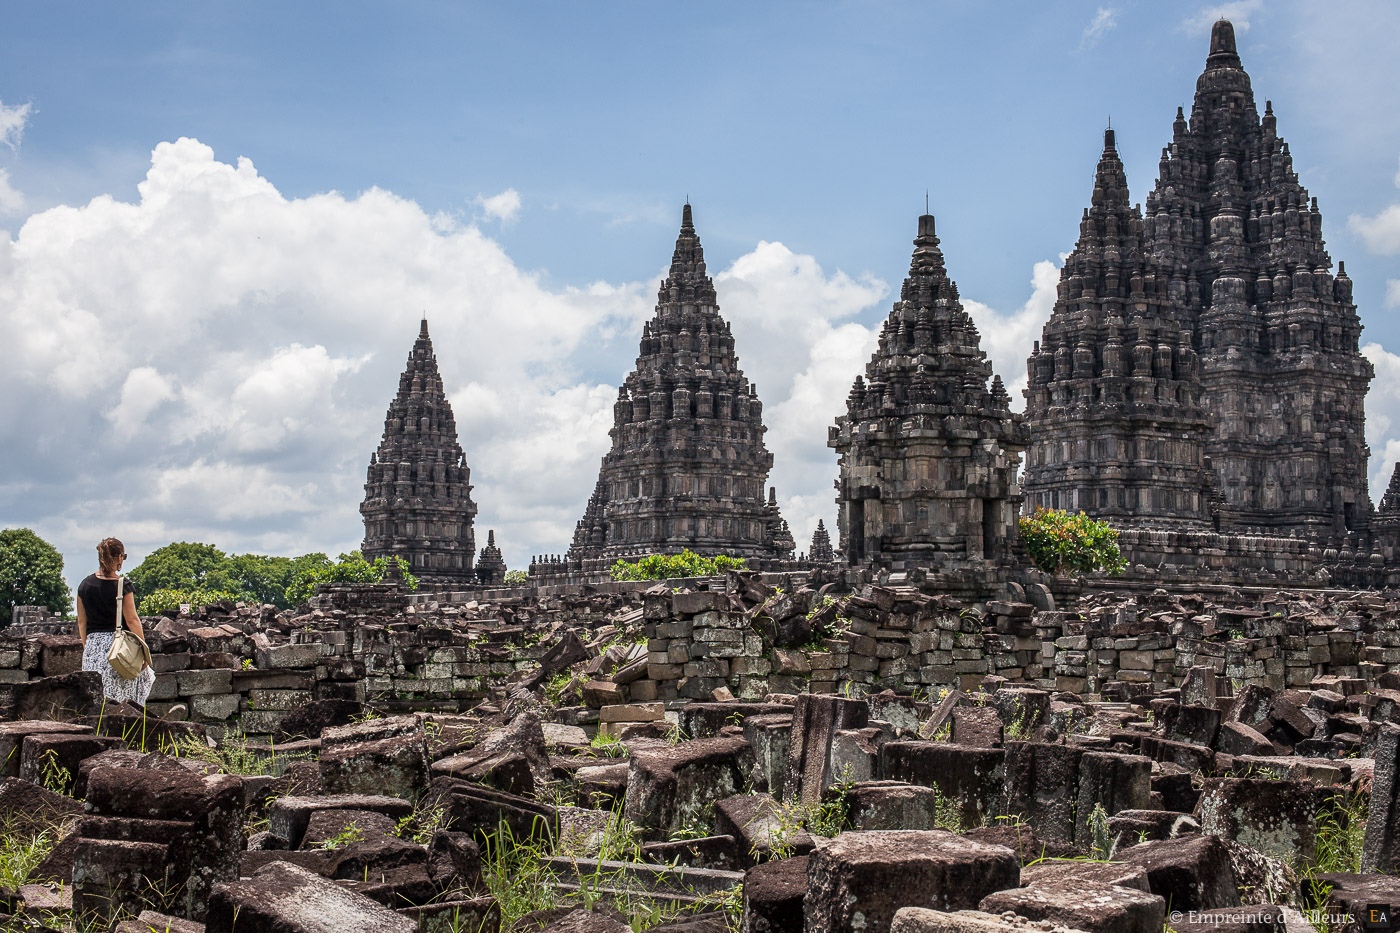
191	567
31	574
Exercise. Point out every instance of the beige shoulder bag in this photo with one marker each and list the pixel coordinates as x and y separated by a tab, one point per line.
128	654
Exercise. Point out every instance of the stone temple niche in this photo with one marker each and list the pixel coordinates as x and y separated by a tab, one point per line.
688	465
418	502
928	445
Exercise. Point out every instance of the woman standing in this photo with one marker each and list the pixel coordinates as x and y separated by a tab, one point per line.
97	624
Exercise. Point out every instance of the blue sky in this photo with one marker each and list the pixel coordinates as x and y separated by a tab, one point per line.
548	147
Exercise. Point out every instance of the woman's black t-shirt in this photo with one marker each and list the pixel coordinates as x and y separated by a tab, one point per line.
100	602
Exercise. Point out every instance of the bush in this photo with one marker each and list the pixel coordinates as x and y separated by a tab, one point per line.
668	566
517	578
31	574
171	600
350	568
1060	542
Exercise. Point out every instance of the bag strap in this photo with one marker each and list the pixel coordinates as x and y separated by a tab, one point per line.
121	582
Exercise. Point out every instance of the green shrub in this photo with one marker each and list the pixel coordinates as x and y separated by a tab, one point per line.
351	568
171	600
669	566
516	578
1059	542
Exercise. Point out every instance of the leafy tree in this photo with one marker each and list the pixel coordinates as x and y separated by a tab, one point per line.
516	577
31	574
349	568
1059	542
669	566
264	579
179	566
188	569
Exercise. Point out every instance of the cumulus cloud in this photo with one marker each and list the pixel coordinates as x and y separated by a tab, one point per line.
1103	22
794	330
213	362
1383	416
1381	233
11	199
1007	337
1238	13
503	207
13	119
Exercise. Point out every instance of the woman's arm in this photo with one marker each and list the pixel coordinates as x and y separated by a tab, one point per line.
133	621
82	621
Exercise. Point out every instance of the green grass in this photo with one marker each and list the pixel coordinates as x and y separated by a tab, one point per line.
21	853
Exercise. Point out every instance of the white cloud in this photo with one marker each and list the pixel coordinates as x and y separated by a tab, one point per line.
142	393
11	199
13	120
1381	233
1238	13
792	329
1103	22
1007	337
1383	416
213	362
503	207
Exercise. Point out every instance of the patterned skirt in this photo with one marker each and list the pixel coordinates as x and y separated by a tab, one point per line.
115	686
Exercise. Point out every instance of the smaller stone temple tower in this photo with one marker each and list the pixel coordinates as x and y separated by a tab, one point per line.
491	565
688	464
821	552
418	502
928	450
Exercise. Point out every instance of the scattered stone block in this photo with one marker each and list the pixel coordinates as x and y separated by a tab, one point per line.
815	721
669	787
1190	872
1380	850
1088	905
289	817
978	726
388	767
859	880
284	898
1042	786
922	920
12	735
972	778
1112	781
891	805
1279	818
773	896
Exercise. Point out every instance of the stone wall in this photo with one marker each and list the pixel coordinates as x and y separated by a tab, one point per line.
251	669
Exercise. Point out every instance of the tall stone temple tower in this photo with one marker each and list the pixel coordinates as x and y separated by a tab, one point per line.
688	465
928	449
1114	390
1253	331
418	502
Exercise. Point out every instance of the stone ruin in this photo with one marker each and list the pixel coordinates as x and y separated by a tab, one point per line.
755	752
904	734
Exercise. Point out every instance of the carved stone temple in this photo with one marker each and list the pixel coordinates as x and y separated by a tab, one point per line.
688	465
418	503
1201	371
928	447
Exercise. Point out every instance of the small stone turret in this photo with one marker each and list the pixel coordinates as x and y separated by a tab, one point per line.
821	552
418	502
491	566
